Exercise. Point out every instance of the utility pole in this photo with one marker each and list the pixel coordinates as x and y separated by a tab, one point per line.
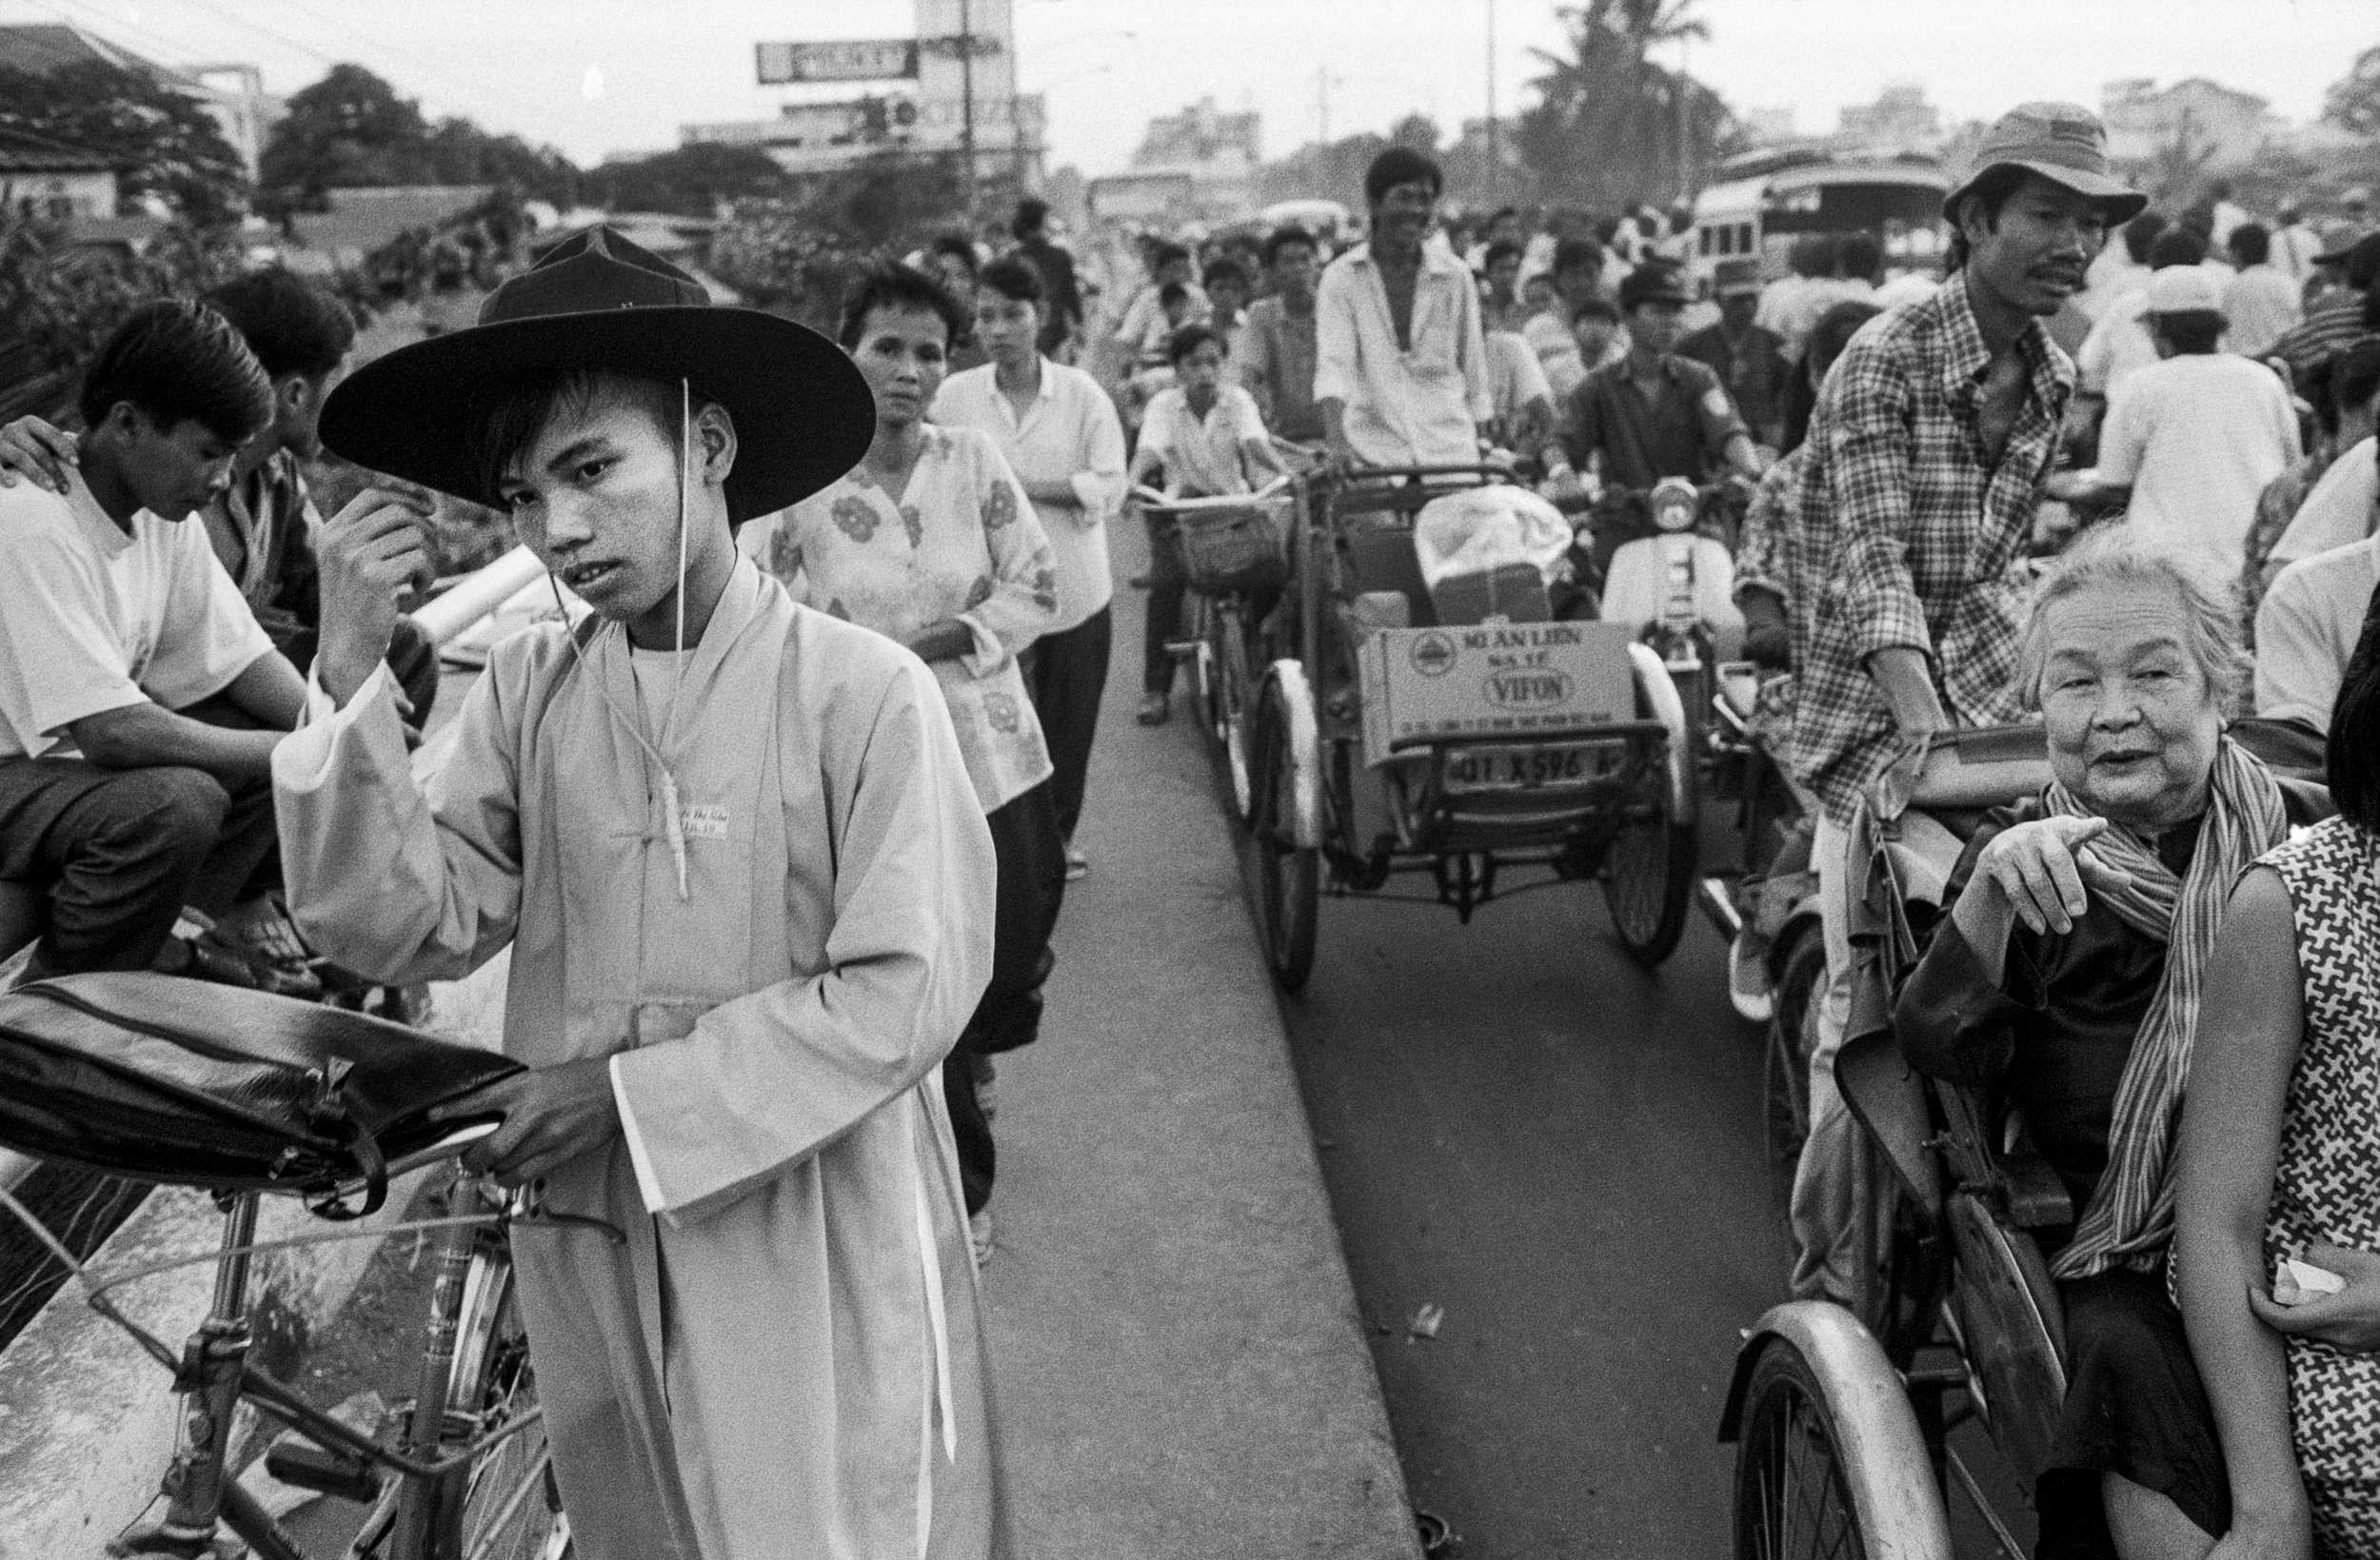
1495	135
966	95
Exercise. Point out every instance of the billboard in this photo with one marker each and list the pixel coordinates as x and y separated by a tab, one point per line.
841	59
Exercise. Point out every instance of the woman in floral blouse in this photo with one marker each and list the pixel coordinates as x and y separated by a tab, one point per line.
930	541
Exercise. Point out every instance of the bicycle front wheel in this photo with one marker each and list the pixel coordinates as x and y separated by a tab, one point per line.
1235	691
508	1506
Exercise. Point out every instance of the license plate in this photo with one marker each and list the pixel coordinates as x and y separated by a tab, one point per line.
1532	768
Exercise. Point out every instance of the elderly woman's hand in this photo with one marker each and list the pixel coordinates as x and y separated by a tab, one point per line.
2043	869
2348	1320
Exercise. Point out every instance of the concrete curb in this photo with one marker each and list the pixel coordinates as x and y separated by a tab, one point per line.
87	1425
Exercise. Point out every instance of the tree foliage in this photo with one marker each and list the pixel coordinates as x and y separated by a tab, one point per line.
1612	127
59	301
2353	101
690	181
800	254
350	129
161	138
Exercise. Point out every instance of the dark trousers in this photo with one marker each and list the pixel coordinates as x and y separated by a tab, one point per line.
117	853
1032	882
1066	673
1168	580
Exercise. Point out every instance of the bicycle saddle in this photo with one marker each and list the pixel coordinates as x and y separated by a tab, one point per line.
158	1078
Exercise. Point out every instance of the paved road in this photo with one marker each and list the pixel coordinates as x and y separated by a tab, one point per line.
1522	1127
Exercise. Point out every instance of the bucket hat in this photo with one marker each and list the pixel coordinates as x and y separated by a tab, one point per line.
2338	241
2185	290
2061	142
802	414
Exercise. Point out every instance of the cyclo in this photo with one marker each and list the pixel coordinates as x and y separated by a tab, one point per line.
1843	1414
1457	732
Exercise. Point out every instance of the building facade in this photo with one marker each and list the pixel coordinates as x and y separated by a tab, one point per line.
2144	120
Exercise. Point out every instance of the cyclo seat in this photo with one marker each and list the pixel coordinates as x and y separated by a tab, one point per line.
1957	1159
158	1078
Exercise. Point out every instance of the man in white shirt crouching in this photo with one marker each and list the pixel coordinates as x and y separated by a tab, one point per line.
116	624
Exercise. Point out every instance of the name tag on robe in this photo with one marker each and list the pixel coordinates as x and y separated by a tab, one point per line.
703	820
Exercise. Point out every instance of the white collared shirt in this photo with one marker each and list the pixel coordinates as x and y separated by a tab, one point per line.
1405	405
1070	435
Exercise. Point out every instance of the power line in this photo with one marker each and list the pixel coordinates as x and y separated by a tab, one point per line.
472	94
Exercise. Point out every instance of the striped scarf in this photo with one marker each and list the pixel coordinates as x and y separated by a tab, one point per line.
2129	1219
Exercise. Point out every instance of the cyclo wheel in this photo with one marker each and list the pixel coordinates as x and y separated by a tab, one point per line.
1233	695
1289	876
1793	1490
507	1505
1649	867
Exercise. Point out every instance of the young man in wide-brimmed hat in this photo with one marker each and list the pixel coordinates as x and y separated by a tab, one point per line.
748	892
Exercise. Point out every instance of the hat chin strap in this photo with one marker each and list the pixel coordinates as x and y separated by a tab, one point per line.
673	821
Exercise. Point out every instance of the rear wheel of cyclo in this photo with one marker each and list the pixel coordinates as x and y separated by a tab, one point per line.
1648	884
1649	867
510	1507
1289	877
1793	1490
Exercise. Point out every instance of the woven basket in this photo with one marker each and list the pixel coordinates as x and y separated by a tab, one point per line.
1243	549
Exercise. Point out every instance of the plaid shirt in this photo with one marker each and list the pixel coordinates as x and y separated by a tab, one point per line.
1905	537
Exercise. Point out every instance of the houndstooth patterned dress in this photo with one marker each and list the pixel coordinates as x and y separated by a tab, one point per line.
2324	1186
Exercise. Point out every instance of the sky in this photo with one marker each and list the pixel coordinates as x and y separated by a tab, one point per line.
596	77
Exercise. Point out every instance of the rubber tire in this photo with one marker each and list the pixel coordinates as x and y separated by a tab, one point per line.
1787	1040
492	1368
1233	692
1677	849
1785	1408
1289	877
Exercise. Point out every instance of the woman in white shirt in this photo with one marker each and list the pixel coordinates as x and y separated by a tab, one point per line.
1060	434
930	541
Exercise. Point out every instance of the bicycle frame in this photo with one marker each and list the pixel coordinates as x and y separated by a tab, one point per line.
214	1373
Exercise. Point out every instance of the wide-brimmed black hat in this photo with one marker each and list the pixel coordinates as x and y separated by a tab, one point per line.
802	414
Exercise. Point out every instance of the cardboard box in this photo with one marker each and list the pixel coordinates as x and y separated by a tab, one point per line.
1515	681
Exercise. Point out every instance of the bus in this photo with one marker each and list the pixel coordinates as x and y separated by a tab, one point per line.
1764	201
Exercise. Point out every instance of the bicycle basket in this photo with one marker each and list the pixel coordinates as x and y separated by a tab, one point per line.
156	1079
1239	547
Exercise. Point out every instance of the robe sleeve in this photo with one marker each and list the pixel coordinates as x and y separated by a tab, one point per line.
1018	601
769	1079
394	880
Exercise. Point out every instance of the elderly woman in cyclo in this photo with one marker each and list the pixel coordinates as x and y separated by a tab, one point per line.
931	541
2065	979
2280	1149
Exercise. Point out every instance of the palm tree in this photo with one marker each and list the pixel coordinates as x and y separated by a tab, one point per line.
1612	127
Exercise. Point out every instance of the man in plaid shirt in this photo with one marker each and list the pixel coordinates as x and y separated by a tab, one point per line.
1925	463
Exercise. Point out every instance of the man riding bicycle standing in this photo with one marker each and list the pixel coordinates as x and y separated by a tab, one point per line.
1401	373
1926	460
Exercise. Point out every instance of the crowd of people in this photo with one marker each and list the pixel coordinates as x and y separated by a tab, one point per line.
781	884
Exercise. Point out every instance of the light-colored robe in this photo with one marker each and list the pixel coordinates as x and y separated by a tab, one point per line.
785	1359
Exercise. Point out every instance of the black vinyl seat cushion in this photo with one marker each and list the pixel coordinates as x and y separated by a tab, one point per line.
159	1078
